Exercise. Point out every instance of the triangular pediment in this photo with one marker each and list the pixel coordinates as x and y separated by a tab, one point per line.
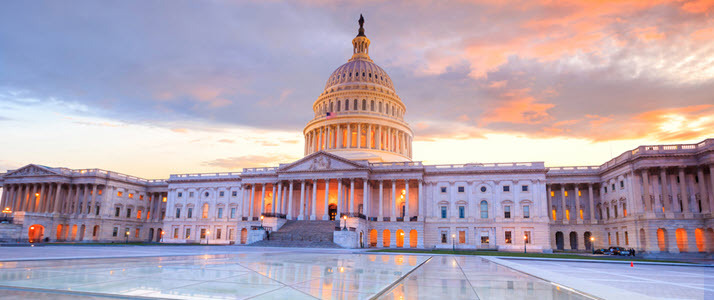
31	170
322	161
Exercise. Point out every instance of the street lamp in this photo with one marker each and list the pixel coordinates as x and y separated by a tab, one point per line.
525	243
453	245
345	227
127	236
208	234
162	236
592	243
261	221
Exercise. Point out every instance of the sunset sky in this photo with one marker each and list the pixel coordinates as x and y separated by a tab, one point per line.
152	88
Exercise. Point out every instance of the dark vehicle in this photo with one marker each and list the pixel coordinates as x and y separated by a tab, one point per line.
619	251
601	251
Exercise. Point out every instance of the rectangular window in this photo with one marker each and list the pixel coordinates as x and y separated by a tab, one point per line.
627	239
506	188
462	237
203	233
163	199
141	197
220	212
180	194
234	194
622	184
567	214
461	189
524	188
204	213
605	190
188	233
138	214
552	193
624	209
131	195
509	238
526	211
190	212
136	233
96	211
617	238
566	193
220	194
507	211
115	231
527	237
462	212
443	237
484	238
613	186
148	214
218	233
175	233
554	213
190	194
119	194
443	189
116	211
128	212
233	212
178	213
581	214
580	193
443	212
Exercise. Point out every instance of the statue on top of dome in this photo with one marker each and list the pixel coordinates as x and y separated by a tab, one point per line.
361	24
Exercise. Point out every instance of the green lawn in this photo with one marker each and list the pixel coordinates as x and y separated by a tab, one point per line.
121	244
521	254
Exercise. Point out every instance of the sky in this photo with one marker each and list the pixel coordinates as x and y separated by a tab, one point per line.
152	88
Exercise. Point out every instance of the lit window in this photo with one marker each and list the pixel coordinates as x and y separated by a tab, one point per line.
461	189
462	212
462	237
567	214
203	233
119	194
580	193
609	239
526	211
188	233
581	214
524	188
506	188
484	209
136	233
141	197
204	213
138	214
566	193
624	209
627	239
99	192
552	193
131	195
163	199
507	212
554	214
175	233
443	212
509	237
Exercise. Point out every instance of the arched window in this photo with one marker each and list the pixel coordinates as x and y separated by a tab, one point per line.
380	107
332	106
484	209
347	105
364	104
204	213
338	105
355	104
371	105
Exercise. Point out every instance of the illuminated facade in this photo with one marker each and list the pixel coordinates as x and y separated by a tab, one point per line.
358	168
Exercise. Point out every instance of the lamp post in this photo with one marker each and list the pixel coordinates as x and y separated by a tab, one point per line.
345	227
525	243
162	236
208	236
453	245
261	221
126	234
592	243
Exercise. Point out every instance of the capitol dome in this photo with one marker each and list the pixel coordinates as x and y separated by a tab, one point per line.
359	115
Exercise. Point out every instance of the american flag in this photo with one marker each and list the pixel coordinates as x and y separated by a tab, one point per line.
329	115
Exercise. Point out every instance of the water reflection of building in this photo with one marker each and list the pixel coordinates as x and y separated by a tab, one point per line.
357	164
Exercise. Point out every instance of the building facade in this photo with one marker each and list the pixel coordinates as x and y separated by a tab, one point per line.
358	170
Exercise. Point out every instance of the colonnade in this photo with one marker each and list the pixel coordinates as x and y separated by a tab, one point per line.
358	136
560	210
285	202
688	185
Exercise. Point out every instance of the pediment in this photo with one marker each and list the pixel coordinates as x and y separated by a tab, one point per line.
322	161
31	170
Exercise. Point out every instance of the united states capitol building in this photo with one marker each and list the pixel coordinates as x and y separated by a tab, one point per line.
357	186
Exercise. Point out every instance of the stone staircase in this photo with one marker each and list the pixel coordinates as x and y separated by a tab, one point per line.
304	234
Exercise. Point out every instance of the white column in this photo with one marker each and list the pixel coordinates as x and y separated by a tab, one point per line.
394	200
56	208
406	200
352	195
359	135
420	202
683	191
665	188
314	199
381	201
325	216
277	199
646	187
592	202
290	201
365	199
369	137
349	135
301	216
262	199
378	139
252	199
562	204
340	198
703	190
94	199
577	203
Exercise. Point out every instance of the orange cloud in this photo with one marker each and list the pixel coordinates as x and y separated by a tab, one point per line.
518	108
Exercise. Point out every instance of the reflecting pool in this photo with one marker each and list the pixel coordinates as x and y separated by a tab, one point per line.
275	276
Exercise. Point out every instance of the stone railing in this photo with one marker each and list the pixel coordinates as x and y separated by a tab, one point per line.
265	170
110	175
414	164
485	166
196	176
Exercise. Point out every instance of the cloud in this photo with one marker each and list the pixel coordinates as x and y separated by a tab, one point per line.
250	161
227	141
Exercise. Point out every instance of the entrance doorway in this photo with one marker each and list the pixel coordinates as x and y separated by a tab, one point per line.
332	210
35	233
587	239
361	239
559	241
243	236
